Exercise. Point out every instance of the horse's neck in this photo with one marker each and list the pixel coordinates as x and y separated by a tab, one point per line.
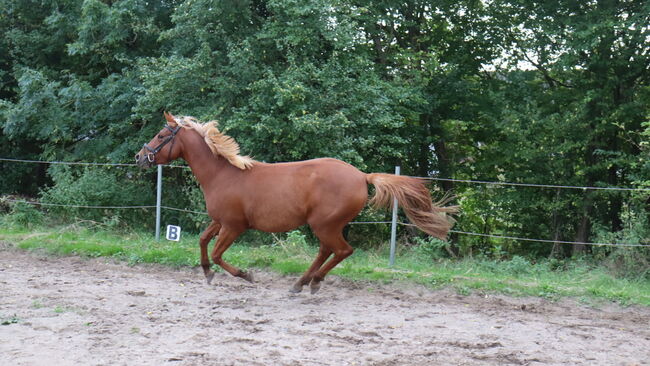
206	167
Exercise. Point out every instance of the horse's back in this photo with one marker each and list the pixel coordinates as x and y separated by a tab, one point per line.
324	175
321	168
302	192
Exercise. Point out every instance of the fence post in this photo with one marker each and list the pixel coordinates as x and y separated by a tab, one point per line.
393	227
158	201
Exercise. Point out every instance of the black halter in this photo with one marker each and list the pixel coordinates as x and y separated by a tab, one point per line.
151	156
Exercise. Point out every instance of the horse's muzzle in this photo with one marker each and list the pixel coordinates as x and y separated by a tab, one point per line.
144	161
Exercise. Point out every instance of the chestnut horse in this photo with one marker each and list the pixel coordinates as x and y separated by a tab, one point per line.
241	193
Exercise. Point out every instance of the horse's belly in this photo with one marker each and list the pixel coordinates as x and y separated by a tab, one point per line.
275	215
275	222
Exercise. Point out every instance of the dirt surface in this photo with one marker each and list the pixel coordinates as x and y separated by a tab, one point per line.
72	311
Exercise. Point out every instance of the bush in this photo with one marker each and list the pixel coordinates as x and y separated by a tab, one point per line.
24	214
627	262
518	265
515	266
93	186
430	248
368	235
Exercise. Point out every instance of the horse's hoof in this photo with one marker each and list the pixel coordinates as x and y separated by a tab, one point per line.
247	276
315	286
296	289
209	276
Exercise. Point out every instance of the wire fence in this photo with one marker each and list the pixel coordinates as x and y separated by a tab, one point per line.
64	162
469	181
37	203
494	183
584	188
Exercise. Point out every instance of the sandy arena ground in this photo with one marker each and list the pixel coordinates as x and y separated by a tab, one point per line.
72	311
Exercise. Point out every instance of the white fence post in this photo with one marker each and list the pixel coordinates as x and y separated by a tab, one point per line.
393	227
158	201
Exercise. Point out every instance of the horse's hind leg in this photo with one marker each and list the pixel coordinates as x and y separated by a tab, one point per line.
334	241
207	235
322	256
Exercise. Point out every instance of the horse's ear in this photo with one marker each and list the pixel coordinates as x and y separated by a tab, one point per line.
170	119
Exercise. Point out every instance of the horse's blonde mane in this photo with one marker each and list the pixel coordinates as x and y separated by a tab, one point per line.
218	142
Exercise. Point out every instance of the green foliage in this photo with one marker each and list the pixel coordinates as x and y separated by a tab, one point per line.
296	238
515	266
192	192
369	235
430	248
309	110
25	214
89	186
629	262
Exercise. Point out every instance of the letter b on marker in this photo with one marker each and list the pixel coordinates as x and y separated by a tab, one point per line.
173	232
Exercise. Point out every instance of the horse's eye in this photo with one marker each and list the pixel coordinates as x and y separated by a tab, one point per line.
160	136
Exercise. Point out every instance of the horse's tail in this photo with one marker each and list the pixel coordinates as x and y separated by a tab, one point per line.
414	198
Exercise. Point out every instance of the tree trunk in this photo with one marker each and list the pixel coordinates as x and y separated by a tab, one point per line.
555	227
445	168
584	227
581	236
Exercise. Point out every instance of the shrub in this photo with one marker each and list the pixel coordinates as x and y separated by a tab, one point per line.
430	248
622	261
518	265
24	214
97	186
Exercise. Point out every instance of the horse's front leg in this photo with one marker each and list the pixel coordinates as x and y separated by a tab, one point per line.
204	240
227	236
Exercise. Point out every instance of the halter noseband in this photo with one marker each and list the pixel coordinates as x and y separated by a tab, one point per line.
151	156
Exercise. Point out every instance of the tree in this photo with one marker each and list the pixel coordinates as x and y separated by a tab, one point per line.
593	62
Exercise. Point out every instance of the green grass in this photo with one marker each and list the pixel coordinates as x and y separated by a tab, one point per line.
516	277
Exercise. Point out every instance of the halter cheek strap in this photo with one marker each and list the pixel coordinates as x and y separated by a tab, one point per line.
151	156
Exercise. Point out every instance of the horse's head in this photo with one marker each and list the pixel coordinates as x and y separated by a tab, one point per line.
163	148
